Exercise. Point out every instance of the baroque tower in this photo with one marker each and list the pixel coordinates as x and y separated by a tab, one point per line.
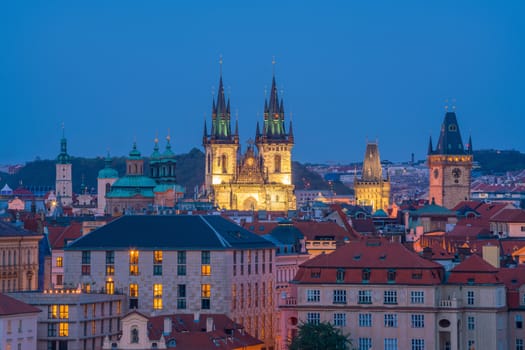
64	183
450	164
221	145
106	178
372	189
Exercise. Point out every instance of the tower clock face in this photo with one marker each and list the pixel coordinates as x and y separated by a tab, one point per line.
456	172
436	173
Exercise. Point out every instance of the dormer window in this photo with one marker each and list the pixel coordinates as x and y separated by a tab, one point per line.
391	275
340	277
365	275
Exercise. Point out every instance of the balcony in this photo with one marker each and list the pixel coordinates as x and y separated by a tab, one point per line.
288	301
449	303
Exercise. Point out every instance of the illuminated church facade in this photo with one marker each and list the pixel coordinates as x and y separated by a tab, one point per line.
261	177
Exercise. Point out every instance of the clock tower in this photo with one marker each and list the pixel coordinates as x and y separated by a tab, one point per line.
450	164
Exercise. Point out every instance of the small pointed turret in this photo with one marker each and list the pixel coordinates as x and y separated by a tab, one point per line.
205	134
430	149
469	146
290	133
221	117
274	116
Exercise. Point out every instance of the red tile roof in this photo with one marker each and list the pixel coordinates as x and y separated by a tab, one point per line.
513	278
474	270
58	235
190	335
510	215
379	256
12	306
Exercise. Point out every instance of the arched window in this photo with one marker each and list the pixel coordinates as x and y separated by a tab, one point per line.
209	163
136	168
108	188
277	165
224	164
134	335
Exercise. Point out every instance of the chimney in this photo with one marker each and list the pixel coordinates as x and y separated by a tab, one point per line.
167	326
491	255
209	324
427	253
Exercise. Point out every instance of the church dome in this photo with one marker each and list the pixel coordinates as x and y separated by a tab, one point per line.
107	173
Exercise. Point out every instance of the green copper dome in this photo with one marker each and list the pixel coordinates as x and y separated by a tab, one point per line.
108	172
63	157
134	153
134	181
155	156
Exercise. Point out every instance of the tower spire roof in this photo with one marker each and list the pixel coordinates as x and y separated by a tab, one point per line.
450	137
63	157
221	117
430	149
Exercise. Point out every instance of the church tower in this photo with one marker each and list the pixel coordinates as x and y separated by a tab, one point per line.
273	142
372	189
64	183
221	145
106	178
450	164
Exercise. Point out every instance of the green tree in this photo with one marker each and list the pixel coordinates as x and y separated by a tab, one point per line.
322	336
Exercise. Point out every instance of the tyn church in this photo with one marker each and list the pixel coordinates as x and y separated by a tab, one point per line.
259	179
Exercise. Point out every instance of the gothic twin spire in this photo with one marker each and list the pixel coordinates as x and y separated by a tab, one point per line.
273	127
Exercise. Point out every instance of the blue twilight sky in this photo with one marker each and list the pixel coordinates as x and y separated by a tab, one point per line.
113	71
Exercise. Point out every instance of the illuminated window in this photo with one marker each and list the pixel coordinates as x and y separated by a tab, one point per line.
110	263
110	287
133	296
64	311
134	262
205	296
63	329
60	261
157	263
157	296
205	263
52	311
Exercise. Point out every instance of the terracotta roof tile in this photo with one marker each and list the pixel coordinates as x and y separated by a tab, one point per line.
59	235
379	256
190	334
12	306
510	215
474	270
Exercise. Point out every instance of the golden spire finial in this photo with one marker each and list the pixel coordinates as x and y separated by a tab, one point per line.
156	136
446	105
168	137
273	65
220	63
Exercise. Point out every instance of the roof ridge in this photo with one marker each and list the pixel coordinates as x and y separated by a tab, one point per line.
221	239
